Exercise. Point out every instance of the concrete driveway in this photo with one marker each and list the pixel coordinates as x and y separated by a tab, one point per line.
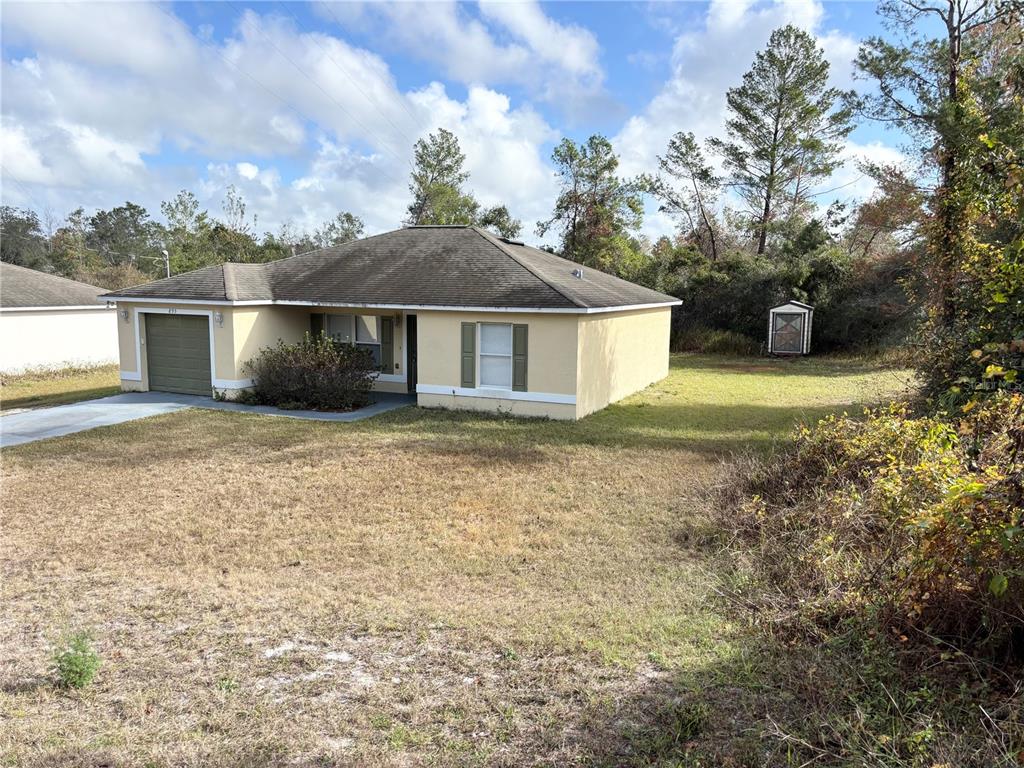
41	423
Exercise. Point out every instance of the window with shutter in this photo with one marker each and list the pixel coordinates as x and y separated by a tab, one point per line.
496	355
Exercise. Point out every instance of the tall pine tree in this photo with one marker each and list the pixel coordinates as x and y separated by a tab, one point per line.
785	129
596	210
436	184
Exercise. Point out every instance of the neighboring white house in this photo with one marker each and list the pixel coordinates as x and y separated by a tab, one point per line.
48	321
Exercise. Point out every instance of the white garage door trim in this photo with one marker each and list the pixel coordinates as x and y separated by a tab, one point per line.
137	376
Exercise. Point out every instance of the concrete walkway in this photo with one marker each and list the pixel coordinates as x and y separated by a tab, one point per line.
41	423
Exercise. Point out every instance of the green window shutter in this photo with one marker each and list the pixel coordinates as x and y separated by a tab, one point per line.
469	355
316	324
387	345
520	334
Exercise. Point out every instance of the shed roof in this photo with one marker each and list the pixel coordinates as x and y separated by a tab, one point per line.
21	288
792	303
439	266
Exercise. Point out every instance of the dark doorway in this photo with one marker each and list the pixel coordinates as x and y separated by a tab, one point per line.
410	341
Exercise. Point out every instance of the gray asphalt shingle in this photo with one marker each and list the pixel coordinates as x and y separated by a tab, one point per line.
415	266
22	287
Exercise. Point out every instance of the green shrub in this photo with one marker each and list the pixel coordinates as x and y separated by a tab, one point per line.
313	373
75	661
916	521
859	303
883	558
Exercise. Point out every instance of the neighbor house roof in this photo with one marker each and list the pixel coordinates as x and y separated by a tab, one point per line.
436	266
23	288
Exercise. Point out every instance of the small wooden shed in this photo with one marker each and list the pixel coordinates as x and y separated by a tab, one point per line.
789	328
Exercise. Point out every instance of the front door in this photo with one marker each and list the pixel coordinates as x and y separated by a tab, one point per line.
410	341
789	333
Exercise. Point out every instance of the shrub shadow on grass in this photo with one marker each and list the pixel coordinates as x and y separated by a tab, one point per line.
25	685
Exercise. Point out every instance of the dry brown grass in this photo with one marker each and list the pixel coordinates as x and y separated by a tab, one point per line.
422	588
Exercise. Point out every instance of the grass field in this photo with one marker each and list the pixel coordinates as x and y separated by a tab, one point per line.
37	389
423	588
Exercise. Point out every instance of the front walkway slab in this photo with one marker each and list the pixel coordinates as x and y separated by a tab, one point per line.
41	423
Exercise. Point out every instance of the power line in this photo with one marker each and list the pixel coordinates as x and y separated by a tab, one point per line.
266	88
372	101
319	87
327	7
841	186
7	175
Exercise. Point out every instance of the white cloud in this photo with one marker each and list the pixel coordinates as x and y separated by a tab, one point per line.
247	170
709	60
132	104
507	44
320	123
20	159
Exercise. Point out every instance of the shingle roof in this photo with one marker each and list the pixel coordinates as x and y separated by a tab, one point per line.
448	266
21	287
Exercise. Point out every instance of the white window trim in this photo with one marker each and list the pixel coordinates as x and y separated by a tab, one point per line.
390	378
480	353
352	326
377	333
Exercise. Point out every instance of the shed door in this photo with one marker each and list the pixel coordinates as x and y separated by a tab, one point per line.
178	353
789	332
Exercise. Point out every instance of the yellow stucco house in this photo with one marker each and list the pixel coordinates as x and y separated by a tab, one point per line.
456	315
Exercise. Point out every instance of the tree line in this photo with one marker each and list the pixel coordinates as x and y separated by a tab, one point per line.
125	246
751	226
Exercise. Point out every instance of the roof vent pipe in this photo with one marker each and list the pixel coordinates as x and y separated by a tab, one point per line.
578	274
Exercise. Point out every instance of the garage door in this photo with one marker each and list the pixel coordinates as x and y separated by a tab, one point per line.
178	353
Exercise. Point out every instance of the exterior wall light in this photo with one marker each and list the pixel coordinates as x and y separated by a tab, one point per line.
218	318
124	315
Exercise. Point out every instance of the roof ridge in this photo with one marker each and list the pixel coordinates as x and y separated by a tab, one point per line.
230	281
51	274
501	247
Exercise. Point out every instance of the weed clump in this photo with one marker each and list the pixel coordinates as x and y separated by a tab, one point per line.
75	661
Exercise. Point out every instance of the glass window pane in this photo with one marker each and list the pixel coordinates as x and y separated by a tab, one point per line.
495	339
495	371
339	328
375	349
367	329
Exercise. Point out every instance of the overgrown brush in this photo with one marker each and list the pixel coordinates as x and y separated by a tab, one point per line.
312	373
713	341
898	536
919	519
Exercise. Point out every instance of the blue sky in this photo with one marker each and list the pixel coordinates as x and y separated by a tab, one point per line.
312	108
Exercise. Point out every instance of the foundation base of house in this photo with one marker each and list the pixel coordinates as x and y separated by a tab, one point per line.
561	411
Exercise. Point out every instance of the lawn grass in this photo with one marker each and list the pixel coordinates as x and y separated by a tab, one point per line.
37	389
420	588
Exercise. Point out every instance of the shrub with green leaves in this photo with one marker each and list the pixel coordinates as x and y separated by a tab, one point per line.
313	373
75	661
914	521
